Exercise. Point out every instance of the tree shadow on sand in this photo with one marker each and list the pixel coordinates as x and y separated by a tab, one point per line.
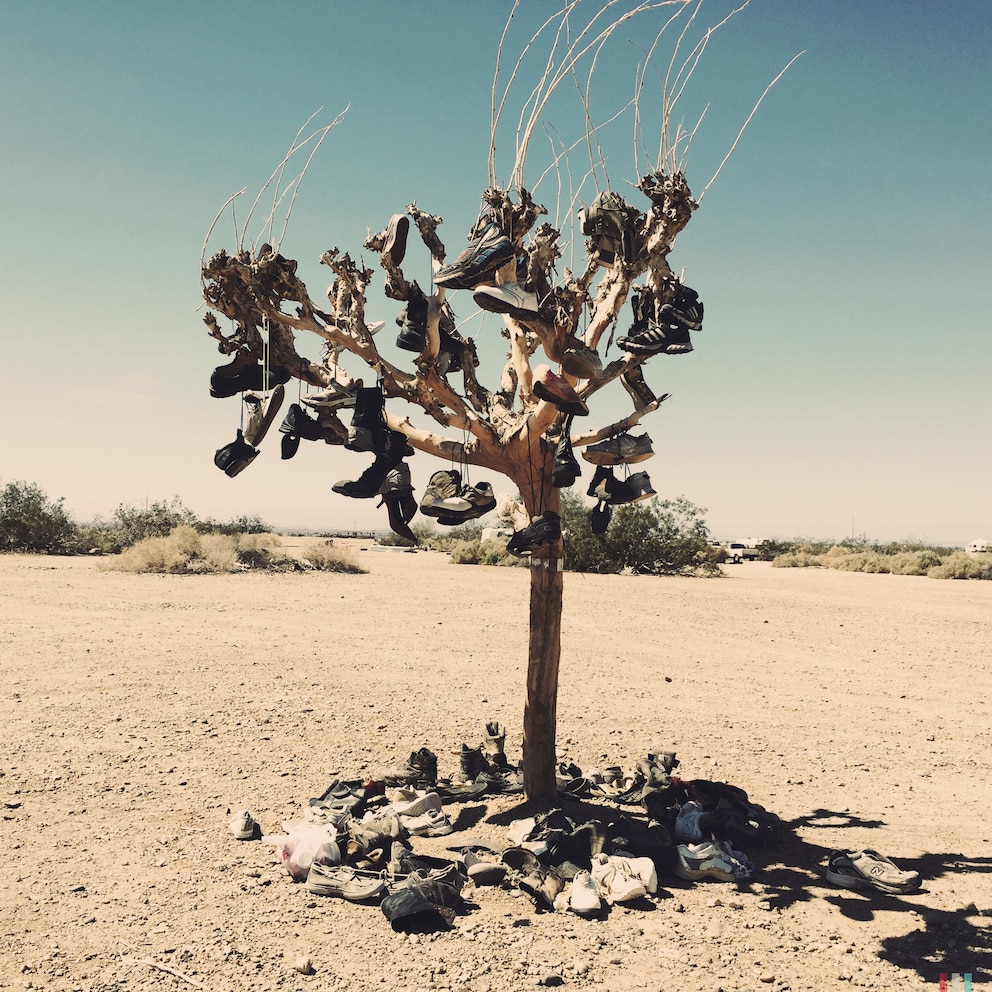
942	942
791	872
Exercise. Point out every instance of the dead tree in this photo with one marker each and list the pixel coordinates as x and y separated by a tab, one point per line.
506	427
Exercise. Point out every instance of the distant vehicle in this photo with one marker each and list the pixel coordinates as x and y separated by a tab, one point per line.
979	547
738	552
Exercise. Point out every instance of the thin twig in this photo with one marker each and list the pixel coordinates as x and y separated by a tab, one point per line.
164	967
748	121
278	172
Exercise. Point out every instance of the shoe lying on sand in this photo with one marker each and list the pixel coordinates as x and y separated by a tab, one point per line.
243	825
883	874
353	884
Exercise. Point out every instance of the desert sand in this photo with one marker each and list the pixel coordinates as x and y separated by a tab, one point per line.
141	710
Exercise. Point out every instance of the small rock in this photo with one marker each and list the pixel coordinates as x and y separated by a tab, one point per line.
713	903
552	980
303	965
767	978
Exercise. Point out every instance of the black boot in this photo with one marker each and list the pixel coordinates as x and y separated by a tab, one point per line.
566	469
413	321
368	419
368	483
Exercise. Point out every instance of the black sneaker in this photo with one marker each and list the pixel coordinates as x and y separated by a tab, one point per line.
603	483
251	377
687	307
367	485
637	487
486	253
667	339
236	456
599	520
297	423
540	532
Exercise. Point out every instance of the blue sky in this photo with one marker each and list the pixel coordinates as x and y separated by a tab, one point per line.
841	383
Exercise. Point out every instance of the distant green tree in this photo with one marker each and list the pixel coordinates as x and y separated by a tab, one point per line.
131	524
658	537
29	521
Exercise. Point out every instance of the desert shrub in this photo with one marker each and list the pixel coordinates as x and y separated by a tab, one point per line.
466	552
654	537
913	562
327	557
796	559
185	550
182	550
30	521
960	565
131	524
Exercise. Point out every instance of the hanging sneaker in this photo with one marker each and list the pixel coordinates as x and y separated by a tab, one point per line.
483	256
262	414
687	308
251	377
333	396
557	390
510	298
367	485
540	532
631	490
396	233
660	338
607	220
603	484
622	449
444	487
578	359
235	457
599	519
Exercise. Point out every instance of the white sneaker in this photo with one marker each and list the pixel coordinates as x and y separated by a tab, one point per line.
432	823
243	825
418	805
510	298
642	869
708	860
584	898
613	882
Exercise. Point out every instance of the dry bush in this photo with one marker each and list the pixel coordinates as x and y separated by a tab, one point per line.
960	565
796	559
183	550
914	562
329	558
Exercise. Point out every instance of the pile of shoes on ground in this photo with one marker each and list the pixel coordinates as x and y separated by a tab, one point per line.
358	841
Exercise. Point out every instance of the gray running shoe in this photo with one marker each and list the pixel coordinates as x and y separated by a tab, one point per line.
620	450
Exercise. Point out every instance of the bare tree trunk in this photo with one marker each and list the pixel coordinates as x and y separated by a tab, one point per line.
541	708
544	651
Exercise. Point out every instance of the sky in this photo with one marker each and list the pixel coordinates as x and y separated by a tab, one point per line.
842	382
